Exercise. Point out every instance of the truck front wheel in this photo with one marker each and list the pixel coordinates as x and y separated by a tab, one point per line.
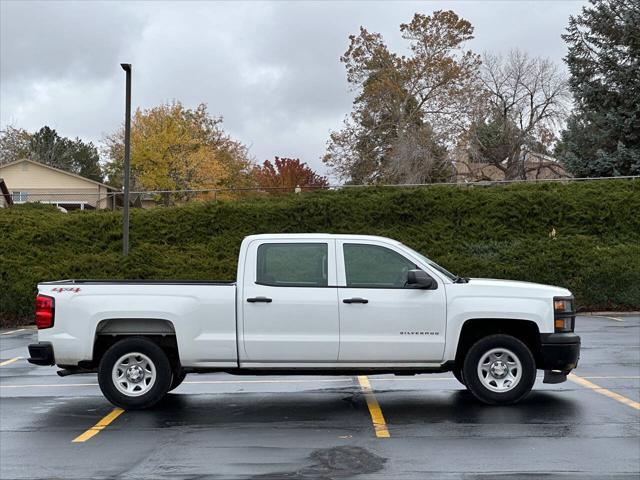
134	373
499	370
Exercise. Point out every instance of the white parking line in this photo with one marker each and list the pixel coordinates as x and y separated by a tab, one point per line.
605	316
215	382
51	385
13	331
319	380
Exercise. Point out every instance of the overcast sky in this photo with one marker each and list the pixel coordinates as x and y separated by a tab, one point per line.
270	68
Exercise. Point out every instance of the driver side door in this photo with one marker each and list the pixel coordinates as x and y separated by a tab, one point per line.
382	320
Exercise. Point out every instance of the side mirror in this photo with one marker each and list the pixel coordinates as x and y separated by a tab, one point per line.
420	279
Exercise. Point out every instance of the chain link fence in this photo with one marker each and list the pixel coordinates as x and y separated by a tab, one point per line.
113	200
68	200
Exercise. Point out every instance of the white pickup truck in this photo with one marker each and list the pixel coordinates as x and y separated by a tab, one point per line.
309	304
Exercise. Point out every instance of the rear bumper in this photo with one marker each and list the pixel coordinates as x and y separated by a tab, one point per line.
41	354
559	351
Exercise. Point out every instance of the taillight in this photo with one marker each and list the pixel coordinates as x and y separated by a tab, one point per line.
45	311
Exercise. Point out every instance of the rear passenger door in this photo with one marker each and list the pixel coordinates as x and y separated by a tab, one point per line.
290	304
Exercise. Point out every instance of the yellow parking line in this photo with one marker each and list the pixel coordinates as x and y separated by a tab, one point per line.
603	391
379	425
11	360
101	425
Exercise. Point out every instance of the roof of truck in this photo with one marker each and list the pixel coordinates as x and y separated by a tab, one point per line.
315	236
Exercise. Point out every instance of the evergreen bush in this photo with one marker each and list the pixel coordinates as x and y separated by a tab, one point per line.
581	235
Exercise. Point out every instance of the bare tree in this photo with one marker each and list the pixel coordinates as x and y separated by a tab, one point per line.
400	97
527	99
418	156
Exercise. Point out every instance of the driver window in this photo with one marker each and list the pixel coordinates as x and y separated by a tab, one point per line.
371	266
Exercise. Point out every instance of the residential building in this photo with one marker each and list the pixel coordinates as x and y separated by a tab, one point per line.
31	181
536	167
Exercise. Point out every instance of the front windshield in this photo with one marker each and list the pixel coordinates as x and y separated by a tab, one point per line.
433	264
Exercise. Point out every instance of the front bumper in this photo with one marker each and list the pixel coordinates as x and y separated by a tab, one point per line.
41	354
559	351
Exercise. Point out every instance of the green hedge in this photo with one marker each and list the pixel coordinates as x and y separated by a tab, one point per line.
500	232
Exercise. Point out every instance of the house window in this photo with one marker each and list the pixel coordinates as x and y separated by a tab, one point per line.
19	197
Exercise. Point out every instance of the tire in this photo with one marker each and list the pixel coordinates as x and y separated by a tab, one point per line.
177	379
143	369
457	372
499	370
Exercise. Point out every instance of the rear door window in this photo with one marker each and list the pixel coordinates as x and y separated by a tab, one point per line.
292	264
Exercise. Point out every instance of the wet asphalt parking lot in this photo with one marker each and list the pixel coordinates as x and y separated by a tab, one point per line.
217	426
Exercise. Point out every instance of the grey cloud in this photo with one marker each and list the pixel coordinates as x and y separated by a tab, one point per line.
270	68
54	40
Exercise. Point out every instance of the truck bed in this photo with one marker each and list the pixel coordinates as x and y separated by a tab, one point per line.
77	281
201	315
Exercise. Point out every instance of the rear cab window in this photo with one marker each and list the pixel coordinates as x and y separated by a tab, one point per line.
292	264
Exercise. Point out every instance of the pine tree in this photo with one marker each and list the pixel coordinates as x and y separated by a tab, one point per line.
602	137
48	147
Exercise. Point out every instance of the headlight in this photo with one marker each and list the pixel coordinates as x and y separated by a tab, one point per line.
563	315
563	306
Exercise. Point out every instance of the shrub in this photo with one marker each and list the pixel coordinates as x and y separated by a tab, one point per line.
500	232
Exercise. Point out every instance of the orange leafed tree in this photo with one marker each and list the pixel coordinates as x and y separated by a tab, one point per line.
285	174
177	148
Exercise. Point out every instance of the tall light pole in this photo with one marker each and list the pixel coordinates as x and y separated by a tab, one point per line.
127	150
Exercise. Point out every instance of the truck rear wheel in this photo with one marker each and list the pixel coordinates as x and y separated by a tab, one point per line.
499	370
134	373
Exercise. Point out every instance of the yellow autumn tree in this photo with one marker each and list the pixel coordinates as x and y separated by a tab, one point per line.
176	148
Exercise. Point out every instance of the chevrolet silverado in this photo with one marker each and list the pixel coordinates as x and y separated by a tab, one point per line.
309	304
